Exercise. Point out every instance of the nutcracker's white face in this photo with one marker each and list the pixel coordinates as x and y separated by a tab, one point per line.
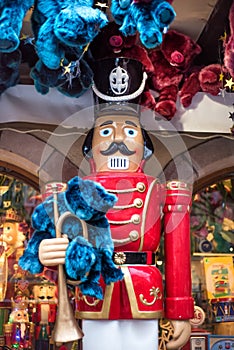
117	144
20	316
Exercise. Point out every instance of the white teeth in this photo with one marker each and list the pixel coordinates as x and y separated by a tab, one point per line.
118	163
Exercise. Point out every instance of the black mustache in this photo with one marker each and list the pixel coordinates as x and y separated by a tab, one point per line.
114	147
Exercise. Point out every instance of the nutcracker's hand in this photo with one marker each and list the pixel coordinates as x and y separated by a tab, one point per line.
52	251
182	330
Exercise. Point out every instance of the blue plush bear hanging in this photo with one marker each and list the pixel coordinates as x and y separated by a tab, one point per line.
59	25
12	13
82	209
149	18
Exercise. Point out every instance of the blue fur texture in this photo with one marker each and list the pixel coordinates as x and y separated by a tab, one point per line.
62	24
9	69
12	14
86	259
79	23
57	53
149	19
45	78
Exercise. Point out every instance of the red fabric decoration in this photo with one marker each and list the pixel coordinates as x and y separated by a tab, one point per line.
229	47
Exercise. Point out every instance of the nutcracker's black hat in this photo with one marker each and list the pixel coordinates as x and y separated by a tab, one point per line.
118	85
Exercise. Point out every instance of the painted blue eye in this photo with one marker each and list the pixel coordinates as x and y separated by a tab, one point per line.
130	132
106	132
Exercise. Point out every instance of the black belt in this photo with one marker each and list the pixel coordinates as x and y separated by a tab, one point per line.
145	258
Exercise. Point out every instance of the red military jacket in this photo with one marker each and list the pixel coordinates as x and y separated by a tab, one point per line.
135	223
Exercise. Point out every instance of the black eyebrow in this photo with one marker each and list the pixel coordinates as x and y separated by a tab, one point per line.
107	122
131	123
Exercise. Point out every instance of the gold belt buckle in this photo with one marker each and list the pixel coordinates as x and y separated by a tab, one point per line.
119	258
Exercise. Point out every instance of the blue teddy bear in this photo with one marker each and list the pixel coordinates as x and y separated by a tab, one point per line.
74	83
149	19
12	13
87	258
9	69
62	24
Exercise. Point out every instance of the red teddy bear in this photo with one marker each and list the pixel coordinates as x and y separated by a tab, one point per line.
215	77
172	64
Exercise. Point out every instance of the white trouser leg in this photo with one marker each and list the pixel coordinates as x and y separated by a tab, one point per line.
120	335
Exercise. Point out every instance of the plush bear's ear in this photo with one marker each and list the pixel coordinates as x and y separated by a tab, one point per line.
102	200
88	195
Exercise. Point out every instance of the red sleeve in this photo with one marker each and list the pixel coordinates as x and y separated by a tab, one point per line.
179	303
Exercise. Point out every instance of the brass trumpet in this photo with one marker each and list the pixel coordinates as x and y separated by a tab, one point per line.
66	328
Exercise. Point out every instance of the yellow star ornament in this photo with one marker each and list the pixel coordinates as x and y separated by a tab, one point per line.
67	69
229	83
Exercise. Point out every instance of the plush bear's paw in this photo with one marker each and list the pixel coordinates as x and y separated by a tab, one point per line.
128	27
166	108
91	289
9	41
164	14
186	100
8	78
150	35
148	101
44	78
42	89
80	257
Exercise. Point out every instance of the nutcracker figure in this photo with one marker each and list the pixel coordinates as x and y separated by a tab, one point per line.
19	331
117	148
12	247
44	315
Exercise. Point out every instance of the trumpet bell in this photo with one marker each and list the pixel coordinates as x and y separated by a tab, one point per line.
66	328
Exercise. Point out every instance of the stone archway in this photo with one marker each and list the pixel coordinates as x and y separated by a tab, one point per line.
211	159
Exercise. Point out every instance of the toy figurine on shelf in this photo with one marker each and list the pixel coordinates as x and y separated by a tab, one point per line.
19	331
12	247
44	315
117	148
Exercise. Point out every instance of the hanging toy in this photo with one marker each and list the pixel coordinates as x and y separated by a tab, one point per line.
62	25
9	69
12	13
89	253
149	18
